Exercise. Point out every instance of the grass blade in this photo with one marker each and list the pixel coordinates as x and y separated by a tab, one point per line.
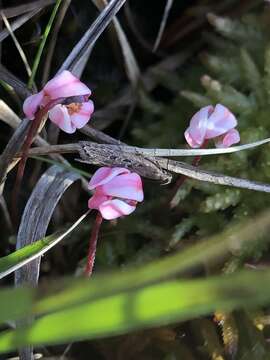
131	65
21	9
163	23
88	40
17	44
76	292
35	221
23	256
37	214
154	305
42	44
18	23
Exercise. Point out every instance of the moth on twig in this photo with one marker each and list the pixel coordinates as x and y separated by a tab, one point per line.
155	168
104	155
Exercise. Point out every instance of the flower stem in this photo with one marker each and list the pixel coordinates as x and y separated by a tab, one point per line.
19	176
35	124
93	246
183	178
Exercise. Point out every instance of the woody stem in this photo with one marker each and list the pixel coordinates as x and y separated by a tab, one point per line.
93	246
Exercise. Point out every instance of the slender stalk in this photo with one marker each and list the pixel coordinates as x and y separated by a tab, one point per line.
21	167
93	246
183	178
25	151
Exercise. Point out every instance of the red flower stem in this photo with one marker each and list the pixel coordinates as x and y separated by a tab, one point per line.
25	149
93	246
183	178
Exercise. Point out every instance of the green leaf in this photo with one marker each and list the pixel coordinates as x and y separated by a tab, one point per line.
15	303
234	240
154	305
73	291
170	301
19	258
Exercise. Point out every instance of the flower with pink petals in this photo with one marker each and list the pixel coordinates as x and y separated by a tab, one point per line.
67	113
117	191
212	123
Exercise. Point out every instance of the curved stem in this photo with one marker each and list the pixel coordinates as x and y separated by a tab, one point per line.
19	176
25	150
93	246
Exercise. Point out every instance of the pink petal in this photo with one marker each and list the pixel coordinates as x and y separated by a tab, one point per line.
65	85
115	208
192	143
59	115
220	122
195	133
104	175
80	119
31	104
125	186
228	139
96	200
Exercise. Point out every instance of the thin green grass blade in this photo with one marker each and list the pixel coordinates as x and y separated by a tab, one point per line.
42	44
23	256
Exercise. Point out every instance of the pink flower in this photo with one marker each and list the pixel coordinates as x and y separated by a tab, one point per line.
212	123
117	191
67	117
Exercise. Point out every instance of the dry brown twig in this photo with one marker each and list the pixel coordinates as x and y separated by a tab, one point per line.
151	167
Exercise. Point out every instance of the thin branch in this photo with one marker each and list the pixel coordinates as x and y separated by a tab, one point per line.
188	152
212	177
54	149
154	168
69	148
